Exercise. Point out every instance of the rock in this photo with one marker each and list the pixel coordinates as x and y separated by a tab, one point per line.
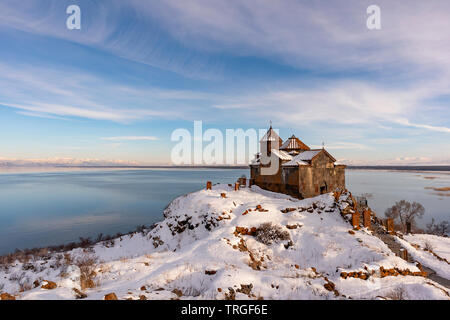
245	288
210	272
79	294
143	288
48	285
36	283
329	286
110	296
351	232
231	295
177	292
6	296
142	297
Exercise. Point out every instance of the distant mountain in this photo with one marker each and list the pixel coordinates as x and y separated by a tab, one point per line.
63	162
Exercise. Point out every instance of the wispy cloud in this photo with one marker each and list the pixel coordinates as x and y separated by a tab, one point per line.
131	138
350	84
341	102
50	93
343	146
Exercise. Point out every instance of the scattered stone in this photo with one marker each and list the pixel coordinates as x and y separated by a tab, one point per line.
48	285
351	232
111	296
6	296
210	272
143	288
79	294
231	295
245	289
245	231
177	292
289	244
142	297
329	286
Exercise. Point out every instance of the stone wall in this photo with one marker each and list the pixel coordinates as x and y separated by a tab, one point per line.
322	176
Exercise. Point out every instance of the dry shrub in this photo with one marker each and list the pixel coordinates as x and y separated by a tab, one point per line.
87	265
268	233
439	229
397	294
67	259
428	246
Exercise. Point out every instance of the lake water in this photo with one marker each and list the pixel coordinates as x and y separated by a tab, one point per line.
54	206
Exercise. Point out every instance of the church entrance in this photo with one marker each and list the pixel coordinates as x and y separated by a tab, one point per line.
323	188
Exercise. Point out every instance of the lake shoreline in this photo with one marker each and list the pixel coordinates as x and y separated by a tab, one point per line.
64	204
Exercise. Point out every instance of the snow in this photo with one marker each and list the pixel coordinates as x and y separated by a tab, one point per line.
283	155
198	235
415	245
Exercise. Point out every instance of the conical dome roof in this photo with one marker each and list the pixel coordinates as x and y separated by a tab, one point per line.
294	144
271	135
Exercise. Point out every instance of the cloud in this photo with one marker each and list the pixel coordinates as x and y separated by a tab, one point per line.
423	126
50	93
131	138
188	36
399	161
355	79
310	35
340	102
343	146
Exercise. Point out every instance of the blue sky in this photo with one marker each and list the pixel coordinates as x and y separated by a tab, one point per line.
137	70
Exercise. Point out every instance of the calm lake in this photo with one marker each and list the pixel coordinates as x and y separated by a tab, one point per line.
54	206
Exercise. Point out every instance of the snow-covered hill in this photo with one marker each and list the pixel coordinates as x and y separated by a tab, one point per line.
226	244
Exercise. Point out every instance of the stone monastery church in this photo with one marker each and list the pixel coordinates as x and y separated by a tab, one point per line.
302	172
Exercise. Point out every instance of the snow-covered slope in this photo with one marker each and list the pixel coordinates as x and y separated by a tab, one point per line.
431	251
214	247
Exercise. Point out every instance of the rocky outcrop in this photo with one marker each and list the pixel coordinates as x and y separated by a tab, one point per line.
7	296
110	296
48	285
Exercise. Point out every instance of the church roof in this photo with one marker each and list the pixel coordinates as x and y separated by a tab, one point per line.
294	143
271	135
283	155
305	158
